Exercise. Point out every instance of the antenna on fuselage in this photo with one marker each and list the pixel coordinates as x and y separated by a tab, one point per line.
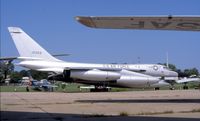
167	60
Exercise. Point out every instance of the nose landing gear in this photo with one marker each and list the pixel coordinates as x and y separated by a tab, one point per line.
185	87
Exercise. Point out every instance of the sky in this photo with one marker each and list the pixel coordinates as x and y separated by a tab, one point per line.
52	24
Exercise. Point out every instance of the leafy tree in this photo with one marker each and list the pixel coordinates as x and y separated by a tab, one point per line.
189	72
6	68
15	77
38	75
181	73
24	73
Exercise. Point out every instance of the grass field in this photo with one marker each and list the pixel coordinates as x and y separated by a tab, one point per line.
16	88
12	89
73	87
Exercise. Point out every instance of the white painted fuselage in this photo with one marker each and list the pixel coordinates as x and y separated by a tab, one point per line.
129	75
33	56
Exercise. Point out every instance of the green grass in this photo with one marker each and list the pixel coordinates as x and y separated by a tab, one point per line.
70	87
74	87
13	89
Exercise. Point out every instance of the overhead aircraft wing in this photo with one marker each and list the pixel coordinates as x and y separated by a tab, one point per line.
184	23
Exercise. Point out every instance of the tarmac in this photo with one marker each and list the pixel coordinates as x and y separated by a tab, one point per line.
165	105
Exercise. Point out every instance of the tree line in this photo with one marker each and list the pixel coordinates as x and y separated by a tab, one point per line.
7	71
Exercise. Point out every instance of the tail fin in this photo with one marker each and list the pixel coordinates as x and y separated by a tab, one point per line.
27	47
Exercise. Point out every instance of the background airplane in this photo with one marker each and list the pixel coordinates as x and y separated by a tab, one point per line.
42	85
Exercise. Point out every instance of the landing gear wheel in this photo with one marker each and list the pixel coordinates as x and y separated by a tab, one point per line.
172	88
185	87
100	89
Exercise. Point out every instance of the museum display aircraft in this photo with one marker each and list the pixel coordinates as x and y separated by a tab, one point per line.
33	56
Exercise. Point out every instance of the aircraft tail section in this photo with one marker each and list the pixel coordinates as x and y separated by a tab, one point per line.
27	47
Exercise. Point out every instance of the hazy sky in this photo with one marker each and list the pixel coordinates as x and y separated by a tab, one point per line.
51	23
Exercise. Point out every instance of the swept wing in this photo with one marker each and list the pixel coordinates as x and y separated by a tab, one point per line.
184	23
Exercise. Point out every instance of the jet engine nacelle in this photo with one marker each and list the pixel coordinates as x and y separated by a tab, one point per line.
137	81
92	75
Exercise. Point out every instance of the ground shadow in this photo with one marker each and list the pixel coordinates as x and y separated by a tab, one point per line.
141	101
30	116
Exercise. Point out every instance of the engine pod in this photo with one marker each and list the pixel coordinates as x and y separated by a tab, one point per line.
95	75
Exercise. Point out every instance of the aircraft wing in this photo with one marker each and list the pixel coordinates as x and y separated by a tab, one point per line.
57	70
184	23
186	80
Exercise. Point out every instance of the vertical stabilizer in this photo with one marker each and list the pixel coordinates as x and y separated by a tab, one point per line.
27	47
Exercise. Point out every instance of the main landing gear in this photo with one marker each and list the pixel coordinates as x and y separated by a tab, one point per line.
100	89
185	87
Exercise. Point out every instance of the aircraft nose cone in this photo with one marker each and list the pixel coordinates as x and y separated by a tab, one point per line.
174	74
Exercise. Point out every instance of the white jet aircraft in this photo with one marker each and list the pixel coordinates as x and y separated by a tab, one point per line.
33	56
